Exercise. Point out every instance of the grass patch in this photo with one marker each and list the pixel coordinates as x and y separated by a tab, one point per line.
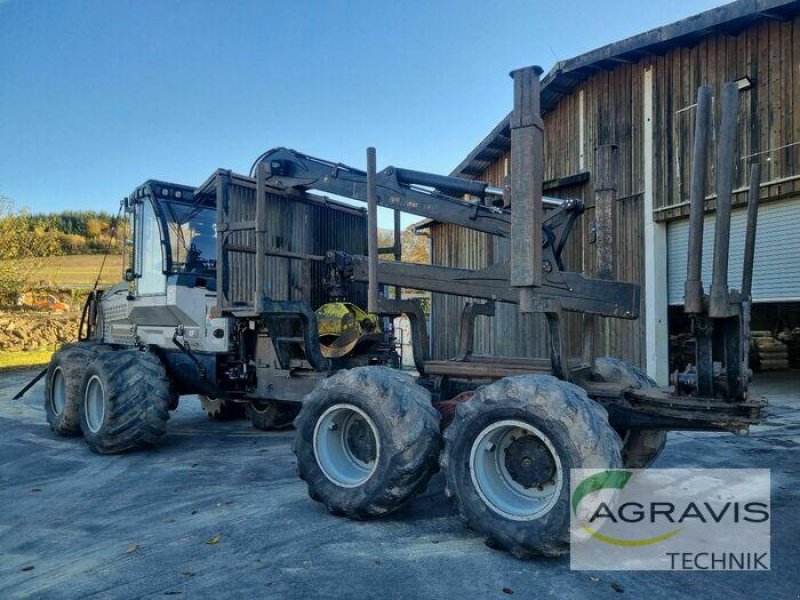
79	270
19	360
82	270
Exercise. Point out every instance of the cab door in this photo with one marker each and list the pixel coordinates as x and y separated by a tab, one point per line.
149	257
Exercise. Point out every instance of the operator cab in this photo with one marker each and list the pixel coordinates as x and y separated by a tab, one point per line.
173	241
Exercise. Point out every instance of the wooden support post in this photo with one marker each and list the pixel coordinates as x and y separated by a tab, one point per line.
655	251
605	196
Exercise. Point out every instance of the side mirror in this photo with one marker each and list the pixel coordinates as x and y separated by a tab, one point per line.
129	275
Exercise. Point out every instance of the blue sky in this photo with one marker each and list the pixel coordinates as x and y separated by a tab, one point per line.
97	96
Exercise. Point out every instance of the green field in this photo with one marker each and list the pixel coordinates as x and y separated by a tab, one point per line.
80	270
17	360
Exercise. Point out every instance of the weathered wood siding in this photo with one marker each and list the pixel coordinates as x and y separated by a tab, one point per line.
768	52
769	113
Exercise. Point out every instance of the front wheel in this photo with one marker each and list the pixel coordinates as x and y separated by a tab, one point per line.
508	455
126	395
62	390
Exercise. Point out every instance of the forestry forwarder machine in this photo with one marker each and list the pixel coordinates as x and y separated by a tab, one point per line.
200	312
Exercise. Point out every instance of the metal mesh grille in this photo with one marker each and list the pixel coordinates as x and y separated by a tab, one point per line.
297	224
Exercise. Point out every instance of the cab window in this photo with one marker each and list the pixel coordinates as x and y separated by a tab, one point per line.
192	237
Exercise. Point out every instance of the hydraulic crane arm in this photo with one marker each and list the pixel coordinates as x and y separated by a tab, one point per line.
399	189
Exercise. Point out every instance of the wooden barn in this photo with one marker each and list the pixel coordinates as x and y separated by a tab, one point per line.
638	96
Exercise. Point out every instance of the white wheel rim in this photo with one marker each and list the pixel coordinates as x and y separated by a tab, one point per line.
59	391
340	459
94	404
503	492
261	407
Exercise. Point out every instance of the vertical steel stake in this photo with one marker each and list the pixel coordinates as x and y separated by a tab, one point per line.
750	232
527	147
726	165
693	287
261	235
372	231
397	247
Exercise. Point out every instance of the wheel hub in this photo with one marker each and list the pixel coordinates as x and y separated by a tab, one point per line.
59	392
346	445
94	404
529	462
516	470
360	440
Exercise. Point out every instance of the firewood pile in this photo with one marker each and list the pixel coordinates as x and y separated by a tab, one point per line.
768	353
791	337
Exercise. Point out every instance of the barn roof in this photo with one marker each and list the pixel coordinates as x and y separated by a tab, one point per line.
566	75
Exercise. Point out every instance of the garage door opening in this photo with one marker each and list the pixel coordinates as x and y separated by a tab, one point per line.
775	338
775	316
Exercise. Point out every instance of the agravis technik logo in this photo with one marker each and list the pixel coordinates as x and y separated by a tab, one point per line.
704	519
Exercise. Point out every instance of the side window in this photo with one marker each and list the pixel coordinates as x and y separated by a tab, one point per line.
149	257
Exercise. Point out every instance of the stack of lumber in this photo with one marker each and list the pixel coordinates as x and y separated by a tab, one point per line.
681	351
791	337
769	353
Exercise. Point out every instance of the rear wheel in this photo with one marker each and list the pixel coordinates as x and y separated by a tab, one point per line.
508	455
367	441
640	447
62	390
272	414
126	395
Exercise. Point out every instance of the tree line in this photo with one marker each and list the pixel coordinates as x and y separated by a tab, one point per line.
77	231
28	240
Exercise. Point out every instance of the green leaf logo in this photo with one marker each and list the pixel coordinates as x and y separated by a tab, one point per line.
611	479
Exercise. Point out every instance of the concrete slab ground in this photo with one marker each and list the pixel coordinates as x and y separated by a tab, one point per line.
77	525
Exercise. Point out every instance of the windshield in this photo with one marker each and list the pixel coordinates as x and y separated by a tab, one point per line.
192	237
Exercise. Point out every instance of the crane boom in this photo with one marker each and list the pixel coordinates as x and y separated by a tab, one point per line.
422	194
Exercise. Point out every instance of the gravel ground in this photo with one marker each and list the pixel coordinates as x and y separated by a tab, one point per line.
216	509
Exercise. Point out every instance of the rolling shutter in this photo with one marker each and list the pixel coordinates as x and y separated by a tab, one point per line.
776	276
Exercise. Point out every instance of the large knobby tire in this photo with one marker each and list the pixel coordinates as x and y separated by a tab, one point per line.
269	415
508	455
62	388
367	441
126	395
640	447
